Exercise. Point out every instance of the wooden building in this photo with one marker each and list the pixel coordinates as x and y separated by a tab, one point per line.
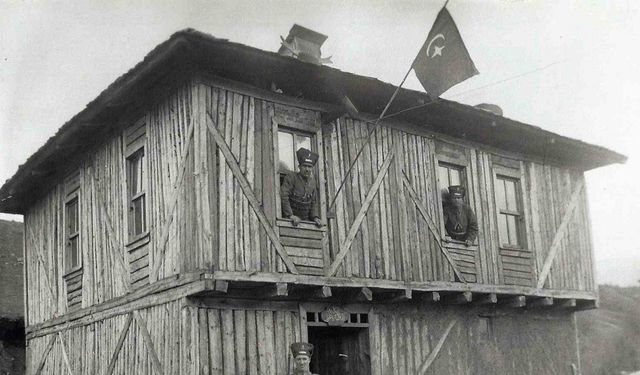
154	241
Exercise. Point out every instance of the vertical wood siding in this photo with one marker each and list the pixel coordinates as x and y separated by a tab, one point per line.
401	339
214	226
186	339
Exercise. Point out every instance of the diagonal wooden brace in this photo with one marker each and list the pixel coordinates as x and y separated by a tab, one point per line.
248	192
432	227
353	231
555	245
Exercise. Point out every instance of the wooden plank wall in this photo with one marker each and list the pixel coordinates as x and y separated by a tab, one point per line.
220	230
102	280
402	337
186	339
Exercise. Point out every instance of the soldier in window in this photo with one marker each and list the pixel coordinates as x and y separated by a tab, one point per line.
459	219
299	191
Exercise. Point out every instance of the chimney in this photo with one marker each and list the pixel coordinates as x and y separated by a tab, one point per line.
304	44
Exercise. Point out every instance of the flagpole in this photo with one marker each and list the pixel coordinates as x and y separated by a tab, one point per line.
375	126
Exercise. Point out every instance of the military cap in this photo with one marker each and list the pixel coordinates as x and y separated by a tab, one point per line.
457	191
298	348
306	156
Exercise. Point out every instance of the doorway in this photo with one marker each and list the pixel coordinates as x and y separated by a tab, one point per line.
340	350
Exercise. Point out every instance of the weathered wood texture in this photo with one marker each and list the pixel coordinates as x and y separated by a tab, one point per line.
212	225
184	340
253	337
403	338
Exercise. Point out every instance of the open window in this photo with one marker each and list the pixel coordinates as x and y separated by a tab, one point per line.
294	128
450	171
72	241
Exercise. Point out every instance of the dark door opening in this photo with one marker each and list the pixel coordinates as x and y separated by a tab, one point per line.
340	351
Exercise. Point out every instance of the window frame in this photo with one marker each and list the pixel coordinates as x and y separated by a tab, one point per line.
137	145
314	133
501	173
463	165
142	194
73	196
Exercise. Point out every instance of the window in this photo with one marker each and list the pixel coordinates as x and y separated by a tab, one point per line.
73	255
289	141
136	191
509	210
450	175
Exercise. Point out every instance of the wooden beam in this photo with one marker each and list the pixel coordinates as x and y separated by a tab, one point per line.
514	301
431	225
155	361
434	353
123	335
566	303
220	286
358	295
311	291
45	354
355	227
458	298
540	302
428	297
398	296
557	239
274	290
587	304
248	192
172	204
485	299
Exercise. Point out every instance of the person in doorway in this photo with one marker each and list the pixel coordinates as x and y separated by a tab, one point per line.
459	219
299	191
301	352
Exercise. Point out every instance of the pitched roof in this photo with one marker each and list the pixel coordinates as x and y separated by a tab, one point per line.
11	267
189	50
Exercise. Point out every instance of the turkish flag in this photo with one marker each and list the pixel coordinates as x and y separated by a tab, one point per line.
443	60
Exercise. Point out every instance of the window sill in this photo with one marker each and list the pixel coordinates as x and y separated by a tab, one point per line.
450	243
137	241
512	247
304	224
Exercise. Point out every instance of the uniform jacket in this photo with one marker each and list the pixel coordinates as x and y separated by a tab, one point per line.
460	222
299	197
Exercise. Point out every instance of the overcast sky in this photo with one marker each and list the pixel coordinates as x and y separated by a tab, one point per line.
568	67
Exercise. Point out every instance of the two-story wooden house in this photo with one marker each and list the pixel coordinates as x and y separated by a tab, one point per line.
154	241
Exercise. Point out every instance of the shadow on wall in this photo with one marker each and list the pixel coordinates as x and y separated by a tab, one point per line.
12	349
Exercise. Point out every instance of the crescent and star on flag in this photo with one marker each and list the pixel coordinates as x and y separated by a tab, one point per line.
437	50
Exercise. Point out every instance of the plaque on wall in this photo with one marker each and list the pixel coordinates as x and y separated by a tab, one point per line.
334	316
